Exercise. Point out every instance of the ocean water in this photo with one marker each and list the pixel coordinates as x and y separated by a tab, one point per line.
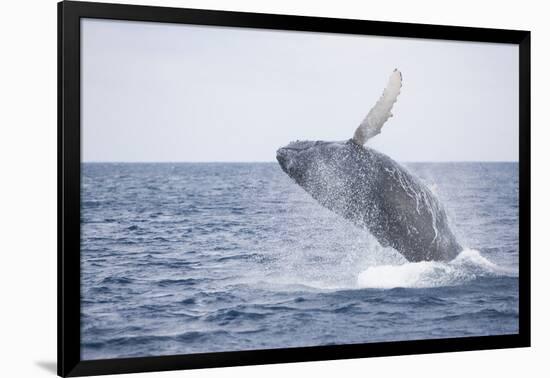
181	258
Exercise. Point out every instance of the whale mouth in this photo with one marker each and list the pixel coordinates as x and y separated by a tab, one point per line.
284	158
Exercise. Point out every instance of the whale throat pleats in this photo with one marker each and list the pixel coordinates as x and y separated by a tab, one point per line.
381	112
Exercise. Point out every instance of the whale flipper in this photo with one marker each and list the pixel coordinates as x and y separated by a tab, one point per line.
381	111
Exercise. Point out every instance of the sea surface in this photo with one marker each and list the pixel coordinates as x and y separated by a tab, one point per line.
181	258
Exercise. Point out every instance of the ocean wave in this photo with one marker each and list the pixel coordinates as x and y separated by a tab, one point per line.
467	266
228	315
136	341
182	281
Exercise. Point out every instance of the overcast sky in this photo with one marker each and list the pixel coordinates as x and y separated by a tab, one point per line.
167	92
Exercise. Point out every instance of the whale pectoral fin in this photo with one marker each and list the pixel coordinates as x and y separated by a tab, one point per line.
381	111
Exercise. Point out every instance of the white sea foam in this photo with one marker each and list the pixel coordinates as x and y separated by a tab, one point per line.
468	265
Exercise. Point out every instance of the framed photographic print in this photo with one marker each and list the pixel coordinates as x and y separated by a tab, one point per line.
239	188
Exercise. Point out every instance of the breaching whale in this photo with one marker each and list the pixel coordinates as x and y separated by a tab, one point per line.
371	190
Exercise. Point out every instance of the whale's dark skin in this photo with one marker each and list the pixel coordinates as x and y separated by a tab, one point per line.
371	190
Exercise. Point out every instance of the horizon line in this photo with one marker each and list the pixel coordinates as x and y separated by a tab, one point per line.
273	162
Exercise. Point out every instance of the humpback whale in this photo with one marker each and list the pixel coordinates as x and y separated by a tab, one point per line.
371	190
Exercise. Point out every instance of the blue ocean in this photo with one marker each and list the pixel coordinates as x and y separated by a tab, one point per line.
180	258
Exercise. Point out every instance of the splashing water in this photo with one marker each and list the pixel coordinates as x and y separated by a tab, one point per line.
467	266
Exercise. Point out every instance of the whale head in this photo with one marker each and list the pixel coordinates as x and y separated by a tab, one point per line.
302	160
316	164
296	156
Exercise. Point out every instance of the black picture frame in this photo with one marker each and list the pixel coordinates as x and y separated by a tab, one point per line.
69	15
